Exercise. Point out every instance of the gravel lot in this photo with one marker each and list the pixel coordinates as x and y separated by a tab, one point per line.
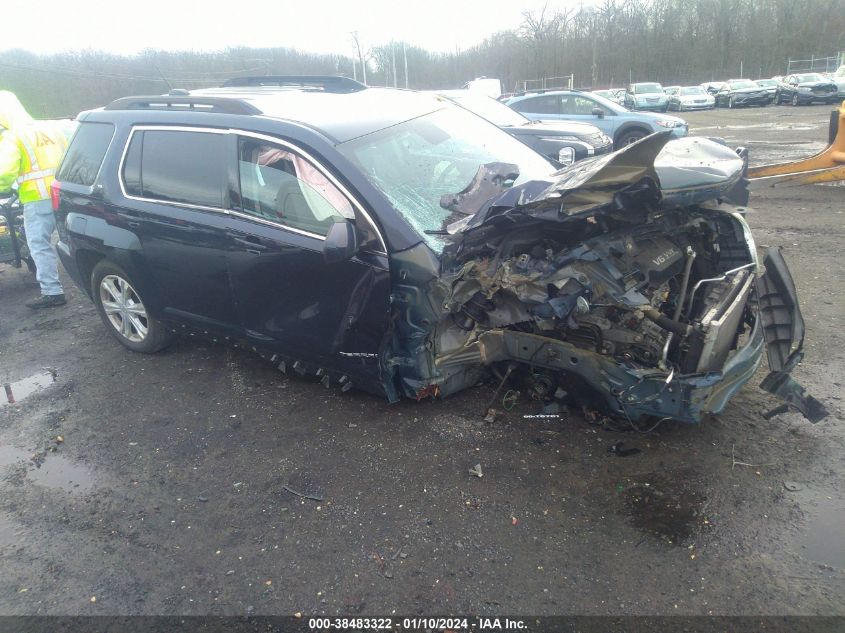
170	491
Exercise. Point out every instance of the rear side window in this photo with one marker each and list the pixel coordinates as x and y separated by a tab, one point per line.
85	154
539	105
176	166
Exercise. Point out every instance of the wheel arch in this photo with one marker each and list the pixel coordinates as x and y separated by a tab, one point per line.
626	128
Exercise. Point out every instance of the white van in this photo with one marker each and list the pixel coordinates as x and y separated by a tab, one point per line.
491	87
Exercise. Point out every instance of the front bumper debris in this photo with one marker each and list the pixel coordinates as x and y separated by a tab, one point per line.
783	327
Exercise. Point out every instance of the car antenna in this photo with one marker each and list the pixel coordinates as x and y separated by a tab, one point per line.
163	78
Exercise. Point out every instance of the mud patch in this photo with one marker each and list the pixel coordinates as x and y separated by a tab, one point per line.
19	390
667	505
56	471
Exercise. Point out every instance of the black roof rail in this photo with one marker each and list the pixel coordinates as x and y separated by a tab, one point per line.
187	103
328	83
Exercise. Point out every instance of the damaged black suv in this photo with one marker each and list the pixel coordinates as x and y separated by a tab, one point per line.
391	241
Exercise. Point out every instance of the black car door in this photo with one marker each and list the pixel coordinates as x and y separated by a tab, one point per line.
174	185
331	315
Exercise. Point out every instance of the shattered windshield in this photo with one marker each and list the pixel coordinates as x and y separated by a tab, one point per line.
414	164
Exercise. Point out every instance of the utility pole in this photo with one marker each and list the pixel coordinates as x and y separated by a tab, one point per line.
393	58
354	54
405	55
360	55
594	69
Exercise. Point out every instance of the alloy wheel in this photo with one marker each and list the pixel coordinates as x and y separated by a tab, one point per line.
124	308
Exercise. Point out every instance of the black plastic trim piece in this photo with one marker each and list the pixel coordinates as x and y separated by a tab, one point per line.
182	103
328	83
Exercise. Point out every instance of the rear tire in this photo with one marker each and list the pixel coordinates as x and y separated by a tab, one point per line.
123	311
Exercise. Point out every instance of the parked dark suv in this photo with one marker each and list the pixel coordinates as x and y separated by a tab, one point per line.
392	241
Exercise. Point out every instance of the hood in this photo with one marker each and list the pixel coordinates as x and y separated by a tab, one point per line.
649	95
815	84
744	91
654	116
552	128
654	172
12	113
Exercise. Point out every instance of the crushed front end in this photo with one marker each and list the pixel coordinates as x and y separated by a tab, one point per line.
625	282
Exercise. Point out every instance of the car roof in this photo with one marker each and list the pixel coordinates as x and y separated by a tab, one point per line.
341	116
339	108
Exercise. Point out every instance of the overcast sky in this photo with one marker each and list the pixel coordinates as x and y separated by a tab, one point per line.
312	25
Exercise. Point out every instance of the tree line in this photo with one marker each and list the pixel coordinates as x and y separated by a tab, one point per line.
606	44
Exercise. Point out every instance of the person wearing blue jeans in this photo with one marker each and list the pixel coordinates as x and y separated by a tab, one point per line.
39	223
30	151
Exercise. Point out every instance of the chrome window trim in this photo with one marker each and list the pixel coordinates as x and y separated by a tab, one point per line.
266	222
358	206
248	216
163	128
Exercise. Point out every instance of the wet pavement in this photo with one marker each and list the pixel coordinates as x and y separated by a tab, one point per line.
49	470
14	392
173	483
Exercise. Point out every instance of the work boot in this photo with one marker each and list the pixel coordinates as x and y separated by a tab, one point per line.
47	301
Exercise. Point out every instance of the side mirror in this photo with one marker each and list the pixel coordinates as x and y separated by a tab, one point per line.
341	242
598	112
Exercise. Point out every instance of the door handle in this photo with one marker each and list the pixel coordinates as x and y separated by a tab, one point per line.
252	244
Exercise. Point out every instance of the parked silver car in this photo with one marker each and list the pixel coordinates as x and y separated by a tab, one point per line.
646	96
690	98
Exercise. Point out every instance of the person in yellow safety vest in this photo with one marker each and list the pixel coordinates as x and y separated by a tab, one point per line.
30	151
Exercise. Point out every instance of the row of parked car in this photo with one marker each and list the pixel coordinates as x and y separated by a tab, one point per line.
796	89
567	125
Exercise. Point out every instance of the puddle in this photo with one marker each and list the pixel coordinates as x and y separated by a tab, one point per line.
667	506
821	538
14	392
54	471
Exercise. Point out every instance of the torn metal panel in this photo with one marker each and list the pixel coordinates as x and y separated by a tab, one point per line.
783	327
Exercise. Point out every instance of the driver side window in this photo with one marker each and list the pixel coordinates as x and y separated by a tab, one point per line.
576	104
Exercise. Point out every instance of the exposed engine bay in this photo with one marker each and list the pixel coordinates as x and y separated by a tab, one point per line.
625	293
647	296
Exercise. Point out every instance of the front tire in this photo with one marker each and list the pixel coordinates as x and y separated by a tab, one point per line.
123	311
795	101
629	137
731	103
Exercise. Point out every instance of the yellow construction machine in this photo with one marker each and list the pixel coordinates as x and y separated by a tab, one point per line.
826	166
